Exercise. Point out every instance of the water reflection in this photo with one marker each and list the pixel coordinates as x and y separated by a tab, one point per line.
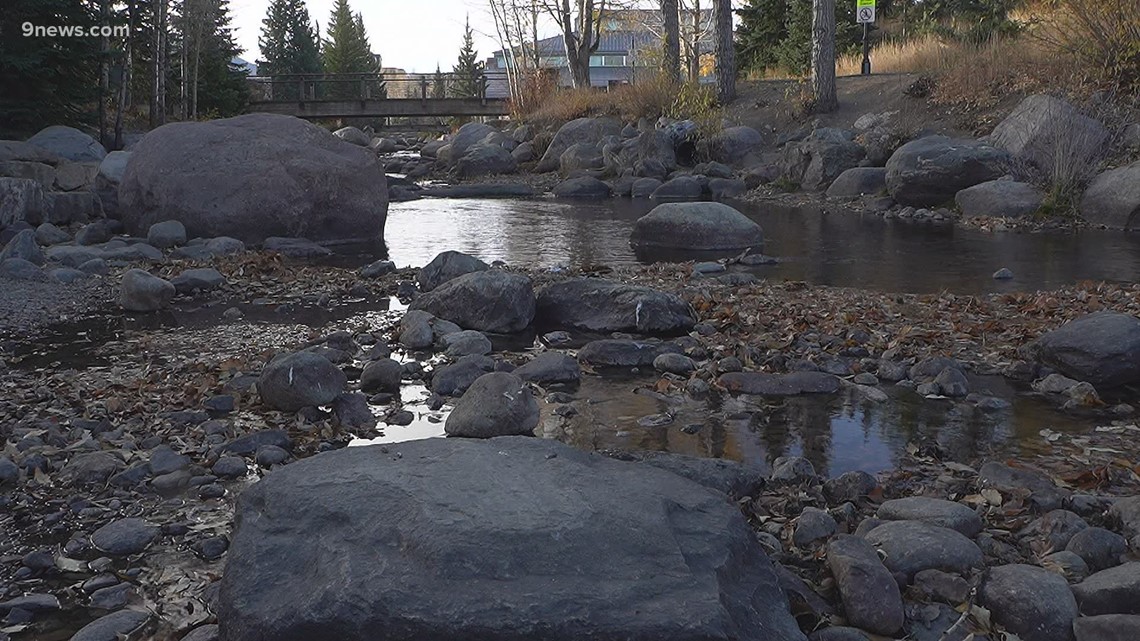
837	433
843	249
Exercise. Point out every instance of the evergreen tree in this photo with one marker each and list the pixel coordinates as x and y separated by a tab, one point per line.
763	24
468	70
44	80
212	86
288	41
778	33
439	84
346	48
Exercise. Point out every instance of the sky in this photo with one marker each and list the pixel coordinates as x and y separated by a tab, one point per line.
413	35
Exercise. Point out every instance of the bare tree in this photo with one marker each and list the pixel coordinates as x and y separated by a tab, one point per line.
823	56
580	22
725	52
695	29
671	39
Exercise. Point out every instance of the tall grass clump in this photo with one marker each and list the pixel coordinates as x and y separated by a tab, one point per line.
1104	36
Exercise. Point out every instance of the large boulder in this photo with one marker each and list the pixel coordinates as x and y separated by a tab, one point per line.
1101	348
599	305
496	404
1042	127
1000	198
452	539
588	130
253	177
299	380
69	143
1112	199
819	159
733	144
21	199
20	151
696	226
472	135
24	246
485	160
651	154
42	173
582	155
930	171
858	181
353	136
64	208
446	266
488	301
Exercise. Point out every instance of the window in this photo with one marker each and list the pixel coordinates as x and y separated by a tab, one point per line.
613	61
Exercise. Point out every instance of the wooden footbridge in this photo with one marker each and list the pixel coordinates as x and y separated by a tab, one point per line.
376	95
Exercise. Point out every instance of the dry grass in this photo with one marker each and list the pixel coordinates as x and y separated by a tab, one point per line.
650	98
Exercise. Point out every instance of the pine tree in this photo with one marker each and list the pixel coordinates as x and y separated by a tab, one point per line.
439	84
288	41
763	25
212	86
46	81
346	48
468	70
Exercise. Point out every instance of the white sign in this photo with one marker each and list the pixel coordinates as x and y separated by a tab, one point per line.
865	15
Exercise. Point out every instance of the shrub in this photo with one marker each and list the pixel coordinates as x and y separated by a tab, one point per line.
1104	36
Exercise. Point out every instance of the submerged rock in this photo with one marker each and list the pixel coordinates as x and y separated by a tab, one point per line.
765	384
648	554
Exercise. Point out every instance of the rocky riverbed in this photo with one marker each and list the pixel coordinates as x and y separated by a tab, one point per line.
123	459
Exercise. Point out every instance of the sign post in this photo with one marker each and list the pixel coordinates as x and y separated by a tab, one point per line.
865	15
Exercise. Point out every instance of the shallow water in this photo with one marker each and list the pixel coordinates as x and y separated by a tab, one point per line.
837	433
842	249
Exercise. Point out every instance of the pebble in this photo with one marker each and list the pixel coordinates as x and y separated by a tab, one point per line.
211	548
792	469
942	586
113	597
229	467
674	364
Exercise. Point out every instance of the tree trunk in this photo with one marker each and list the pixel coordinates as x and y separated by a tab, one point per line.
725	53
672	41
695	53
823	56
104	72
125	83
158	67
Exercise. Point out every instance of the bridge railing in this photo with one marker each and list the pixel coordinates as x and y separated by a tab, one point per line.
366	86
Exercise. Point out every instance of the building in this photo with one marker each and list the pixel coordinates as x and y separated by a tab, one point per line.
630	48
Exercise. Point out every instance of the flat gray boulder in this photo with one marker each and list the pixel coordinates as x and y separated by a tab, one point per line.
452	539
1112	199
488	301
999	198
1101	348
599	305
253	177
930	171
696	226
68	143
